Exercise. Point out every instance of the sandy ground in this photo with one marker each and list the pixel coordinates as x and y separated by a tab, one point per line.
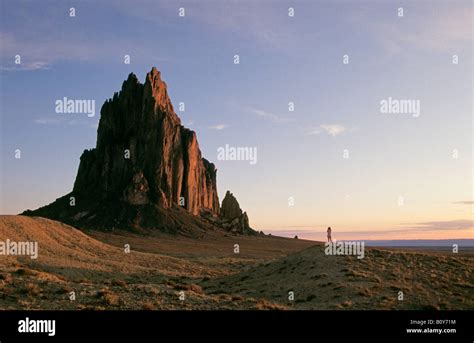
175	272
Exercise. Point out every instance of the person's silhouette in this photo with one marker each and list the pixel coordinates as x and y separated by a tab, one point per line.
329	235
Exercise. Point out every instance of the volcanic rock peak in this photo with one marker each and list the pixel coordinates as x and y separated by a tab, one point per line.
144	161
158	90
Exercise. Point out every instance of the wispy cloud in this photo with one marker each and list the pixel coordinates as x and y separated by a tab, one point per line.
46	121
256	21
459	224
331	129
453	225
270	116
218	127
39	52
443	30
38	65
42	48
66	122
467	202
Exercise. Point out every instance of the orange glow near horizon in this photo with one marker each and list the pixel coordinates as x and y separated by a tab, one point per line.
379	235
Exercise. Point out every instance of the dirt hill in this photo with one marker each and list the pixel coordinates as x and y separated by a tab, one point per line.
104	276
160	269
427	280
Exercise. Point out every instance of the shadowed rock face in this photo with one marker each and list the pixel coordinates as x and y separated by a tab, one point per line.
232	215
230	207
144	154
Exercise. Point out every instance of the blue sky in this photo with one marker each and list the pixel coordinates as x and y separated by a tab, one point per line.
282	59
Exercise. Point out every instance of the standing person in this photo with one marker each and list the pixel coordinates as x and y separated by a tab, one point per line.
329	235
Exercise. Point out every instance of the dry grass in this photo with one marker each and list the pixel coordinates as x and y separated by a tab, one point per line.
258	278
189	287
119	283
32	289
266	305
109	297
148	306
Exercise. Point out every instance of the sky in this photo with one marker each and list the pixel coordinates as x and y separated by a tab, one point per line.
335	160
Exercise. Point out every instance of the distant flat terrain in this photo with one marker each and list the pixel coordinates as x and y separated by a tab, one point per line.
160	269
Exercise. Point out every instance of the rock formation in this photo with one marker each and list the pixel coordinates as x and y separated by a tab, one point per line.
144	154
232	215
145	169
